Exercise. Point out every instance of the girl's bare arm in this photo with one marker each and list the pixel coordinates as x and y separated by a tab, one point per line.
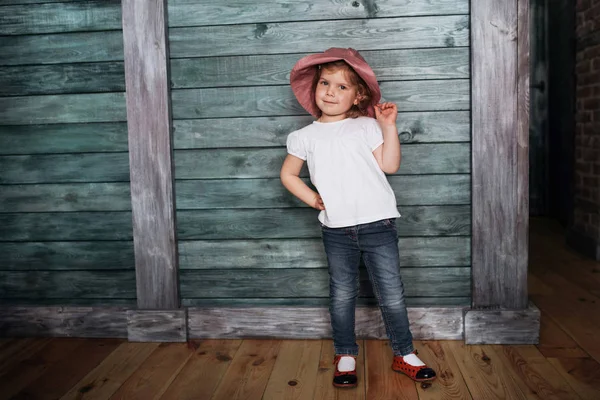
290	171
388	155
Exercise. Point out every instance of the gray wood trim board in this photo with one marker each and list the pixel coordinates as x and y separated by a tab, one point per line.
150	153
157	325
499	155
428	323
503	326
522	167
92	322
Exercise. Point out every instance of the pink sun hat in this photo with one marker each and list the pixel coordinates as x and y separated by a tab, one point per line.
301	77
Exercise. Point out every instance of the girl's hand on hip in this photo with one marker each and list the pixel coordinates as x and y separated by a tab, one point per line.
318	203
386	113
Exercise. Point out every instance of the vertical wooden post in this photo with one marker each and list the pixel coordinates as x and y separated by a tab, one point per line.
522	164
500	94
150	153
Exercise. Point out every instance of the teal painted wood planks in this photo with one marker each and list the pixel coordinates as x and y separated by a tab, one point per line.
207	12
216	193
308	253
413	127
236	283
306	37
302	223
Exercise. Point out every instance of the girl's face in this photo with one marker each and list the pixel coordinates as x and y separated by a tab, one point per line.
335	95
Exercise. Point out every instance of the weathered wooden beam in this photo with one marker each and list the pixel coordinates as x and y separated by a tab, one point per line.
313	323
157	325
427	323
319	302
499	153
150	153
503	326
522	160
90	322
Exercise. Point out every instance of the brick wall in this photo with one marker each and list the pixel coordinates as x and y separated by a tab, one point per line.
585	232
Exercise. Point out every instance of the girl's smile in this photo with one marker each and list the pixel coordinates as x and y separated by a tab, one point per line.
334	95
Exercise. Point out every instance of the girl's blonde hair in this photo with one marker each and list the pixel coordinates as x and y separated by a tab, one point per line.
364	94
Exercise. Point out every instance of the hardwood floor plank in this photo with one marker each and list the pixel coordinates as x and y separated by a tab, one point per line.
575	310
583	374
295	371
324	387
203	371
247	376
155	375
449	383
10	346
534	375
484	373
536	286
382	382
554	342
14	352
104	380
67	372
29	369
550	253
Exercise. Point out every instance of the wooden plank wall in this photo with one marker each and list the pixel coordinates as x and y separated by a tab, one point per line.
243	240
65	219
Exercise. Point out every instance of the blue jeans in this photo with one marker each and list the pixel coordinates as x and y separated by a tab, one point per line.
377	243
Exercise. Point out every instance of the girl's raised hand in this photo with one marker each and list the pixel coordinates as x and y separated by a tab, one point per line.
386	113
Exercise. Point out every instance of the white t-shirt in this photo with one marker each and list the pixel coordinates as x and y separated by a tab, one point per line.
344	170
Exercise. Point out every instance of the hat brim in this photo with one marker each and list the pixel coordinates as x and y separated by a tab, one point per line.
303	73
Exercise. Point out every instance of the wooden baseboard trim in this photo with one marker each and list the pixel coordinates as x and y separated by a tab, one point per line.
157	325
443	323
427	323
503	326
89	322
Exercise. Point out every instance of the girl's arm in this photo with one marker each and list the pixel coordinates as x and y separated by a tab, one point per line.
388	155
289	177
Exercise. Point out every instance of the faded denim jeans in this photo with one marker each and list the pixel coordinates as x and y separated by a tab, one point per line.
377	242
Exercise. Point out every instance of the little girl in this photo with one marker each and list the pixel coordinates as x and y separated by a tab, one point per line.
348	149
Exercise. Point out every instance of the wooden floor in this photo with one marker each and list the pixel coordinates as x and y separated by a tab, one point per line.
565	365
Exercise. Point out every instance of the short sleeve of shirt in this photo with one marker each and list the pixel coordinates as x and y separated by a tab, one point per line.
373	133
295	146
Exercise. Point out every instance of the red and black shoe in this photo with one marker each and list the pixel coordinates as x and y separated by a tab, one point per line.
346	379
419	374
